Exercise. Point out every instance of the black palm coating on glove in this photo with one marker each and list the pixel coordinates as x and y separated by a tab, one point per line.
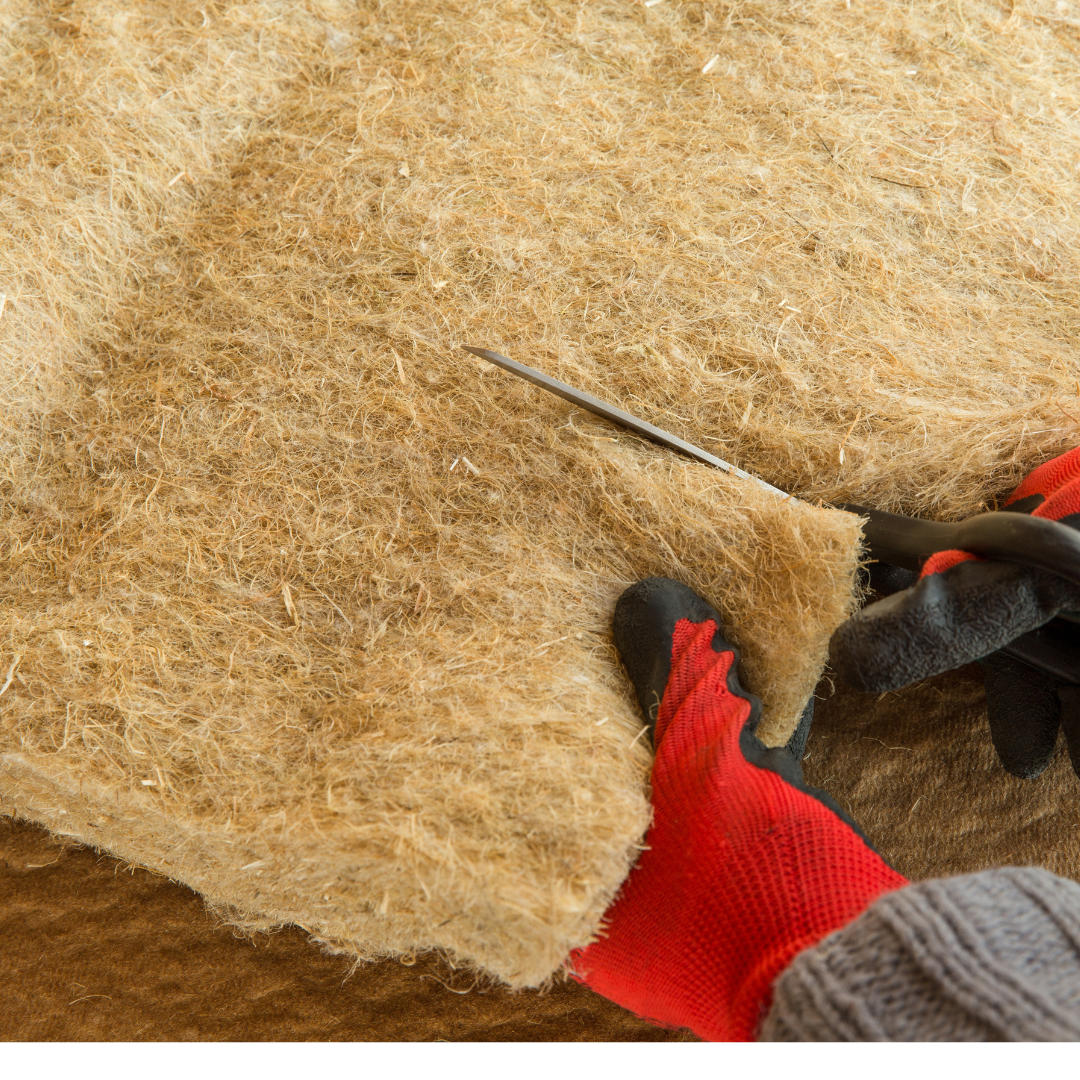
1024	712
1069	699
960	615
1026	708
644	624
968	613
946	620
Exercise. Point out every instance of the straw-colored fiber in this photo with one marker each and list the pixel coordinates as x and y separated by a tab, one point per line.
311	610
302	605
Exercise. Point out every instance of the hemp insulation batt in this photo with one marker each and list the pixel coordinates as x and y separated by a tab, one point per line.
306	608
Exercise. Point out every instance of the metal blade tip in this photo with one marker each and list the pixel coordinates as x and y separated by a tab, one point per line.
484	354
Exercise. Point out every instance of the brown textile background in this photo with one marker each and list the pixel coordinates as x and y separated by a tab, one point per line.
917	770
89	950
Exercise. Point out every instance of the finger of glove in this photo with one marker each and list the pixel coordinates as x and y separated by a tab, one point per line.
945	621
702	697
1049	477
941	561
1069	697
1024	713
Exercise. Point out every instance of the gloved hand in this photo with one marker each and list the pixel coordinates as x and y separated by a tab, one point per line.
745	866
964	608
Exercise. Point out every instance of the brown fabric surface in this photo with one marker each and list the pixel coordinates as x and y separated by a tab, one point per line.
918	772
89	950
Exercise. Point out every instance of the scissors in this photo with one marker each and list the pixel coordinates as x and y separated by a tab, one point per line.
898	545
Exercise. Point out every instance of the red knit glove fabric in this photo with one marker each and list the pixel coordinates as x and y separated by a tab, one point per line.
1057	481
742	870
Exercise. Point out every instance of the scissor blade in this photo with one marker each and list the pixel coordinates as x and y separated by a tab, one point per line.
616	415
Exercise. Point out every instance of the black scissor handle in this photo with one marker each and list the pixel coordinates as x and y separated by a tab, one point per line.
900	545
1001	534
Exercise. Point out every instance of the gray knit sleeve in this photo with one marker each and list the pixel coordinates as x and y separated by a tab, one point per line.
982	957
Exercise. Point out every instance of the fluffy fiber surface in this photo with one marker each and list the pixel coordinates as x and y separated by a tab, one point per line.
302	606
309	610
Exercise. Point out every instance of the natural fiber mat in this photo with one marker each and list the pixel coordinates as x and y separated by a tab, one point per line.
310	611
91	949
303	607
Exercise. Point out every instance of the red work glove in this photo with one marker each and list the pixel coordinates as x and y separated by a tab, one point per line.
964	608
745	866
